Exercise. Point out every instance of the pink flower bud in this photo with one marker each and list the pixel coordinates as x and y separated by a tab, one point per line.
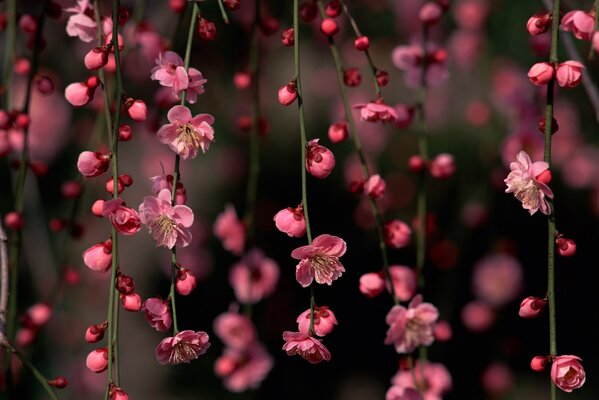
338	132
27	23
397	234
544	177
92	164
96	58
70	189
95	333
125	284
362	43
186	282
287	94
541	73
443	166
138	111
22	66
291	221
324	321
569	73
531	307
98	257
375	186
242	79
538	24
372	284
13	220
416	164
352	77
430	13
177	6
59	382
131	302
117	393
333	8
232	5
382	77
78	94
442	331
44	85
97	360
287	37
109	186
98	207
37	315
25	337
539	363
567	373
92	82
329	27
320	161
565	247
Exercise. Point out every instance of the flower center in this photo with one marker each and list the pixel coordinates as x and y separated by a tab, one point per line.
189	136
164	226
324	263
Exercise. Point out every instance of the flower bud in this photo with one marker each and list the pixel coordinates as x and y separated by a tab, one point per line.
91	164
569	73
397	233
565	247
362	43
131	302
338	132
430	13
98	207
329	27
382	77
416	164
206	29
125	284
96	58
78	94
291	221
59	382
554	125
352	77
95	333
99	257
287	37
97	360
320	161
539	363
186	282
44	84
13	220
374	186
125	133
287	94
541	73
531	307
70	189
137	110
333	8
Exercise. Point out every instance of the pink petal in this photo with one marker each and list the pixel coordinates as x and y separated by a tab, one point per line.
179	114
184	215
302	273
332	245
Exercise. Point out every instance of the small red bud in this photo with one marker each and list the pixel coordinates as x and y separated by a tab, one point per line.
308	11
542	125
269	25
98	207
382	77
362	43
59	382
539	363
13	220
206	29
352	77
126	180
416	164
232	5
287	37
125	133
333	9
329	27
565	247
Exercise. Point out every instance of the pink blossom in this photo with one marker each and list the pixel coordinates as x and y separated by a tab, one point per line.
244	369
91	164
160	182
538	24
567	373
170	72
338	132
78	94
186	134
320	260
306	346
397	233
157	313
186	282
99	257
410	58
402	393
196	85
497	279
528	181
324	321
124	219
430	13
432	378
376	111
131	302
580	23
404	282
411	327
137	110
168	224
182	348
320	161
291	221
235	330
230	230
569	73
442	166
497	379
82	24
477	316
541	73
254	277
97	360
375	186
372	284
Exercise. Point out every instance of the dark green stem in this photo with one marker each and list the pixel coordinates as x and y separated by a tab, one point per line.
102	75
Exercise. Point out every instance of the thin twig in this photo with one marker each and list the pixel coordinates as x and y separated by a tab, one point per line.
3	283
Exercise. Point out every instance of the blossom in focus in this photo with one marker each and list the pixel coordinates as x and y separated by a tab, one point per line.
125	220
411	327
186	134
170	72
306	346
580	23
320	260
157	313
182	348
324	321
528	181
567	373
168	224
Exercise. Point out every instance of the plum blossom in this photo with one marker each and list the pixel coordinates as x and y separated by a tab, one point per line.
230	230
82	24
411	327
497	279
567	373
306	346
324	321
244	369
125	220
170	72
376	111
160	182
528	181
432	378
168	224
235	330
320	260
186	134
157	313
410	58
580	23
254	277
182	348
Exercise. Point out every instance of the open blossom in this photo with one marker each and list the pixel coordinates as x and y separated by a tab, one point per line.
324	321
569	73
528	181
254	277
168	224
244	369
125	220
186	134
432	378
567	373
580	23
411	327
320	260
182	348
306	346
235	330
230	230
82	23
157	313
170	72
376	111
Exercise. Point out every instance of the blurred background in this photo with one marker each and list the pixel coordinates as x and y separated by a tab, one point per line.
485	252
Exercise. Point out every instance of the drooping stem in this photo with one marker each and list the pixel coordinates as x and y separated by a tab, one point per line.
223	12
358	148
302	120
9	60
36	372
176	173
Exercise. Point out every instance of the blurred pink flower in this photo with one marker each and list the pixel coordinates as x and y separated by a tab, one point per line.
125	220
81	24
254	277
186	134
170	72
235	330
497	379
306	346
567	373
324	321
375	186
167	224
433	378
372	284
528	181
157	313
161	182
404	282
242	370
402	393
410	58
477	316
411	327
376	111
397	233
182	348
497	279
230	230
320	260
